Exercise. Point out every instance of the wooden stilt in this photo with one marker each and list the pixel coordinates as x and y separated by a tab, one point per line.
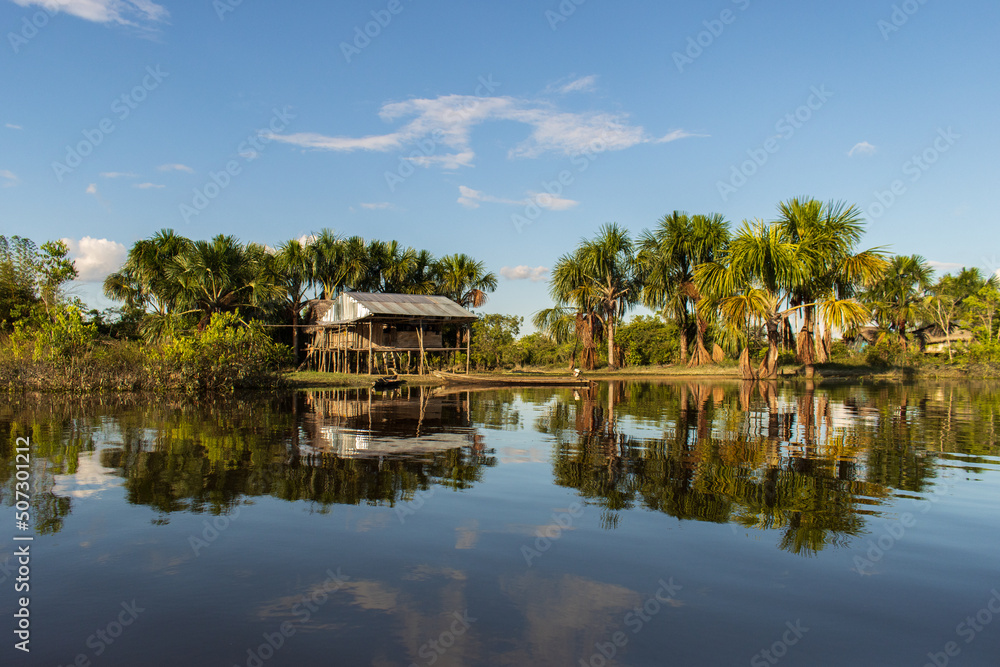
420	339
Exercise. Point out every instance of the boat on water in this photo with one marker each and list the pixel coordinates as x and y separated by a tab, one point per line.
387	382
512	380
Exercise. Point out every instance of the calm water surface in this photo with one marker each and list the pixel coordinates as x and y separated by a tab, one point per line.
635	524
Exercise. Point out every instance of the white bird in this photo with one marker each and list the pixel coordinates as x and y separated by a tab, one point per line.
576	372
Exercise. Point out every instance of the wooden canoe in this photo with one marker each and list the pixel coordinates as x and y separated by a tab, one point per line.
512	380
388	382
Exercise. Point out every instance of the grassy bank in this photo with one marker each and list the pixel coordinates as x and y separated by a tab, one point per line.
828	372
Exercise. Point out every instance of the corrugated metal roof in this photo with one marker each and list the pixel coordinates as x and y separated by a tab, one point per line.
357	306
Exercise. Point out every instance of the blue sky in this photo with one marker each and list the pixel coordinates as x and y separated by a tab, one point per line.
449	125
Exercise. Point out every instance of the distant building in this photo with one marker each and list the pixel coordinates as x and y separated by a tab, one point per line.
360	332
933	340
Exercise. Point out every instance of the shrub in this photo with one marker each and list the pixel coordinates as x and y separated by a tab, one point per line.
226	355
648	340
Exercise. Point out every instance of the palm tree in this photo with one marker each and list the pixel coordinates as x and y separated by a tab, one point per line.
142	282
293	265
895	299
223	275
326	253
464	280
601	278
420	279
826	236
668	256
756	280
575	309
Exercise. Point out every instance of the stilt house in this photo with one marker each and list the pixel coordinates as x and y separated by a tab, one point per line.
360	332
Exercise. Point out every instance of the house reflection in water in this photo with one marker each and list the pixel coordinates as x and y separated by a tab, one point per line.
363	423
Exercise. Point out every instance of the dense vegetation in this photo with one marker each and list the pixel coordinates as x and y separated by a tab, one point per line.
204	315
195	314
741	291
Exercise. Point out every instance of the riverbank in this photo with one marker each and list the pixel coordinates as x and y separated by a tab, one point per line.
824	372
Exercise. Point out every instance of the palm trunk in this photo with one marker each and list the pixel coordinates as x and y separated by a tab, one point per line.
295	336
611	343
684	343
769	366
701	356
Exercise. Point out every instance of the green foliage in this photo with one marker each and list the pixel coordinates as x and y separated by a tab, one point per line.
885	354
648	340
31	278
493	339
539	349
67	336
226	355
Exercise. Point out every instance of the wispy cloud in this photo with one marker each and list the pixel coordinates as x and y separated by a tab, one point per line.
945	267
583	84
11	126
473	198
148	186
448	121
176	167
134	13
95	258
10	179
534	274
118	174
862	148
92	189
378	206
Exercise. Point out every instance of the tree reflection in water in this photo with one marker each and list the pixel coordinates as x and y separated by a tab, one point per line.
811	464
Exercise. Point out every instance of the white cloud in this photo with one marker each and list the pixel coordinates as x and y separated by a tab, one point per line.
148	186
132	13
176	167
118	174
863	148
472	198
552	202
96	258
378	206
584	84
944	267
536	274
11	126
10	179
92	189
441	128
